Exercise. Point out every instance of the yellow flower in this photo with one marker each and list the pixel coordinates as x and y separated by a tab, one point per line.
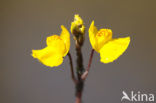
102	42
77	25
57	47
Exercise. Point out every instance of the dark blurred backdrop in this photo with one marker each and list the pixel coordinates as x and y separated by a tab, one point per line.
25	24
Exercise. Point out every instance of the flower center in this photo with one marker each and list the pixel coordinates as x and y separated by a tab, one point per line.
102	37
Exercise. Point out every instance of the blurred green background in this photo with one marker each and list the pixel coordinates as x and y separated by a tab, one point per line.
25	24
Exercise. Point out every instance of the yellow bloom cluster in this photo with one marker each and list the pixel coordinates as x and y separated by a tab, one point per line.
101	40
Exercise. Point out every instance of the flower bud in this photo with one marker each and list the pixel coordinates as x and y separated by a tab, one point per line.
78	29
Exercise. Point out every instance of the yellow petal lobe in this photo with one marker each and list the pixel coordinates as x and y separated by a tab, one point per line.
113	49
92	33
56	43
65	36
48	56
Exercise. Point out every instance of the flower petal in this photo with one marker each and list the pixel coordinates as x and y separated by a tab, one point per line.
56	43
113	49
92	32
65	36
48	56
52	55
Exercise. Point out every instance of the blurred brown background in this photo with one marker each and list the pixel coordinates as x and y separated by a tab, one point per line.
25	24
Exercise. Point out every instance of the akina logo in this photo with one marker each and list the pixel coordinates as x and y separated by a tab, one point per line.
137	96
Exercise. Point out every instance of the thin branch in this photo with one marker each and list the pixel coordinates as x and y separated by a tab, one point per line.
85	74
71	68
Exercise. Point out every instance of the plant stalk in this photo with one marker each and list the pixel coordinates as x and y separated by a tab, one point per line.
80	69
